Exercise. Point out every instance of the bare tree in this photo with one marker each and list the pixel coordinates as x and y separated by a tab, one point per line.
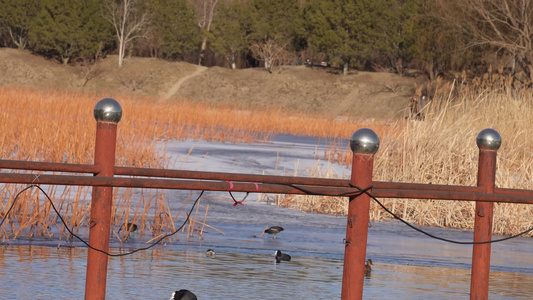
504	25
129	21
269	51
90	71
205	10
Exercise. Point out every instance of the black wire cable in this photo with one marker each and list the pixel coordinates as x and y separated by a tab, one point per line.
87	244
238	202
434	236
366	191
13	204
308	192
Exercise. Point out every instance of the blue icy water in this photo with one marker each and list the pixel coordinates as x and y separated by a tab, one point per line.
406	265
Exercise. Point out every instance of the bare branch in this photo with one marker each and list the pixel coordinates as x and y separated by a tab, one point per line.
270	52
505	25
129	22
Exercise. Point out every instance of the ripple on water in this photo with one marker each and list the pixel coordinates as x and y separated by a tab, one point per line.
26	271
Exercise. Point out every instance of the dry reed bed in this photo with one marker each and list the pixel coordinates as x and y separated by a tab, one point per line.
59	126
442	150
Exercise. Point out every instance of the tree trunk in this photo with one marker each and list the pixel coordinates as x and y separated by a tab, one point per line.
268	65
120	54
205	11
20	42
121	49
429	68
202	51
399	66
233	67
345	69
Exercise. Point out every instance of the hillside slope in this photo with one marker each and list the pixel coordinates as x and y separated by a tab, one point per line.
296	88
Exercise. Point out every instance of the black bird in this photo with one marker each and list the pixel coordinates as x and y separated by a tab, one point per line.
183	295
274	230
368	268
282	256
130	227
210	253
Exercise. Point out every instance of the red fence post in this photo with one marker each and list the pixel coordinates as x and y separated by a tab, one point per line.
364	144
107	113
488	141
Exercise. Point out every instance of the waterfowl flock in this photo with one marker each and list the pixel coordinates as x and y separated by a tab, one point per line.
279	256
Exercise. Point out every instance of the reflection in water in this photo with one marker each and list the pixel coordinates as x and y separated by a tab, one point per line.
40	272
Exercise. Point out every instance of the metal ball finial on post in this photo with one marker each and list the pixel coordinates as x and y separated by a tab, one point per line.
107	113
364	144
364	140
488	142
108	110
489	139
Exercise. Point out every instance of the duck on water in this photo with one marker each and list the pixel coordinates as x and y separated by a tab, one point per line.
368	268
183	295
282	256
210	253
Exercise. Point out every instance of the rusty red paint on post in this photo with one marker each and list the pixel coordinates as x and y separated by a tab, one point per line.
107	113
364	144
100	221
357	229
479	285
488	141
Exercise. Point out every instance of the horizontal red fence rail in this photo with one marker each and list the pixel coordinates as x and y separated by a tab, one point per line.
211	181
245	183
169	173
48	166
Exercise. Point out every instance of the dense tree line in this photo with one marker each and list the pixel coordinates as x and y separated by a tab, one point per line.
434	37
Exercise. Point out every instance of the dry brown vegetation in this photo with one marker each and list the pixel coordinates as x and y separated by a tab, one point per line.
295	89
442	149
59	126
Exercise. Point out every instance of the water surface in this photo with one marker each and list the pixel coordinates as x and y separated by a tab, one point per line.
407	265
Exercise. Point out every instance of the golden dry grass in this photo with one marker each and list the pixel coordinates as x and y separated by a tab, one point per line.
59	126
442	150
